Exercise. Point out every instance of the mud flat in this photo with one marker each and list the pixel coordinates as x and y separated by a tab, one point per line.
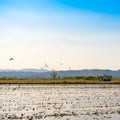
59	102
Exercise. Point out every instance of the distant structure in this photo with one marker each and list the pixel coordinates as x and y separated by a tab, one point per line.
105	77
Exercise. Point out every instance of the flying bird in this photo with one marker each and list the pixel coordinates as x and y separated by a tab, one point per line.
46	66
61	63
10	59
69	68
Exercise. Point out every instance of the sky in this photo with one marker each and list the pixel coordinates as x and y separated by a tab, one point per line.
80	34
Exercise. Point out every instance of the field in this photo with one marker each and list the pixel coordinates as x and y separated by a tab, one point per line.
59	81
59	102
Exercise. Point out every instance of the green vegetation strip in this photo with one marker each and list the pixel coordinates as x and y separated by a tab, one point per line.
58	81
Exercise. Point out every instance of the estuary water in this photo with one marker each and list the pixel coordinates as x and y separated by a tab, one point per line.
59	102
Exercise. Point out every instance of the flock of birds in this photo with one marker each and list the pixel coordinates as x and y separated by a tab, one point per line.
43	68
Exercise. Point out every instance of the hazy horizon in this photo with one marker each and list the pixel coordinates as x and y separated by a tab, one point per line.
19	69
64	34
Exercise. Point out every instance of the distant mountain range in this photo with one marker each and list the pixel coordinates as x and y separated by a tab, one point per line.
40	73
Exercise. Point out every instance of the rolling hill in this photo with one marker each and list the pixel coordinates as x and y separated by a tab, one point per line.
36	73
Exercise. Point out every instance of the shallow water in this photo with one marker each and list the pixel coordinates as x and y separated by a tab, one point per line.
59	102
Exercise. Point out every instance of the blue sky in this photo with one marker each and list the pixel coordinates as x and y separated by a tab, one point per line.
79	33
